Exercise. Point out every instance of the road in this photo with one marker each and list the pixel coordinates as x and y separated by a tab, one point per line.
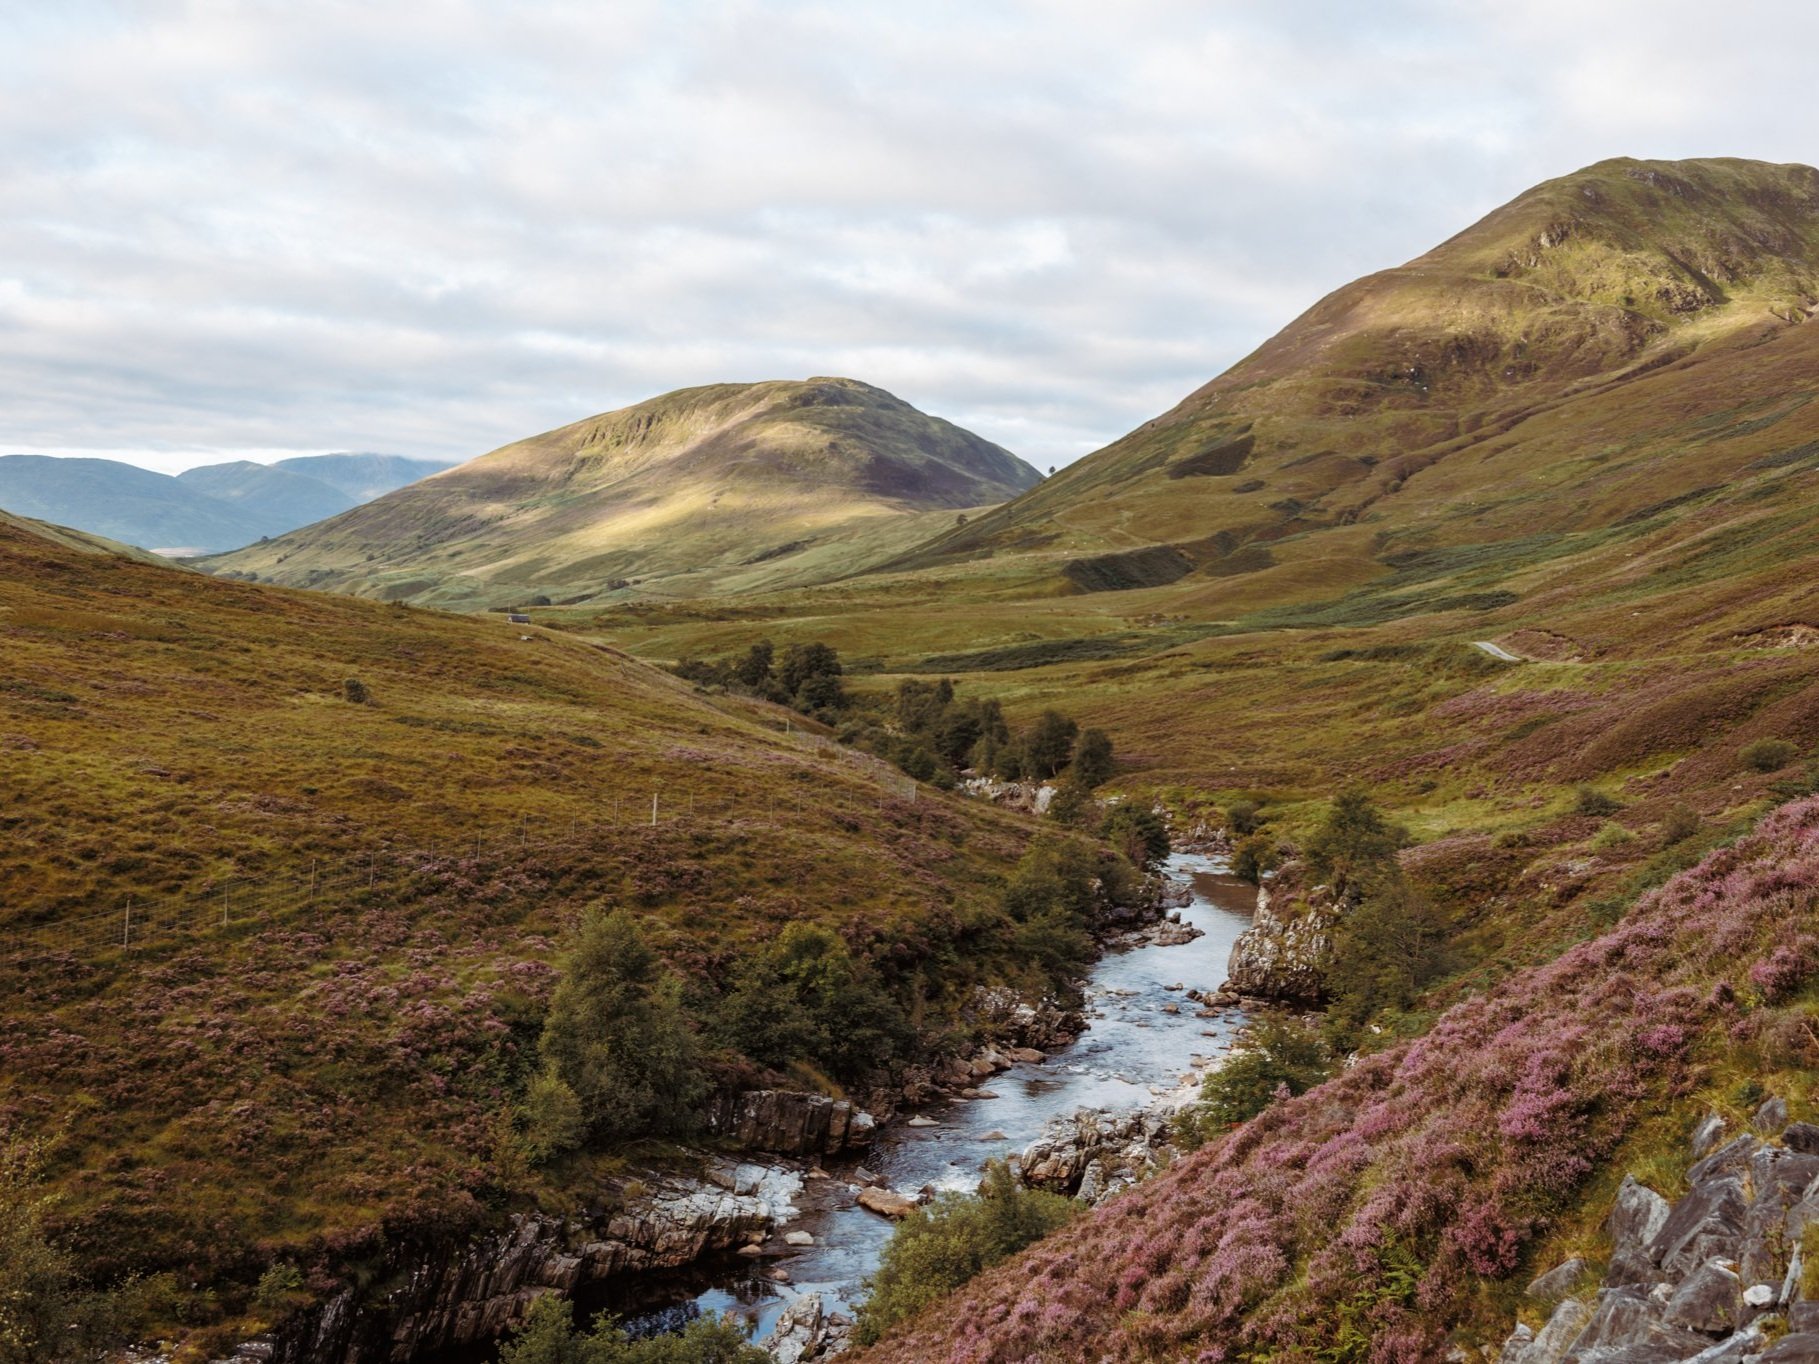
1496	651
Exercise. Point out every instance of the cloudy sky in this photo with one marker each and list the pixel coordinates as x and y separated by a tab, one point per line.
252	229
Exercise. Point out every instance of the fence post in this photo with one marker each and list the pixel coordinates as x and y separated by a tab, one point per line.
653	809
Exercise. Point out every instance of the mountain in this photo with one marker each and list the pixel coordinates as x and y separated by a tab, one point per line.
211	508
1583	285
714	488
120	501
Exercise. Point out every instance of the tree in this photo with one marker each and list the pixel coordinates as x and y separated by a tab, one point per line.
1140	834
1389	946
1353	843
806	998
1048	744
754	670
1092	766
617	1036
810	675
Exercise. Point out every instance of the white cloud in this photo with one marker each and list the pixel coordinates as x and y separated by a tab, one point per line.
233	226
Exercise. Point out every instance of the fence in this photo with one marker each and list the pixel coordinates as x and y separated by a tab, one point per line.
308	895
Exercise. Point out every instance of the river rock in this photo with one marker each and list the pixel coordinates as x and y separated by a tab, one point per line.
920	1121
798	1238
886	1202
1032	1056
800	1332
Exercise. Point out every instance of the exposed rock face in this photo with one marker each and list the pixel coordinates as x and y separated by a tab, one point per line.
786	1122
1285	954
480	1289
1714	1277
1094	1154
805	1331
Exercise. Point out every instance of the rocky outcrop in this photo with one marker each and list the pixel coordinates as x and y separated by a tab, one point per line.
479	1290
1094	1153
1285	954
1716	1276
790	1123
807	1331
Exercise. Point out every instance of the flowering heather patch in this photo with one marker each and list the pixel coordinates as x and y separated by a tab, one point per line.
1359	1220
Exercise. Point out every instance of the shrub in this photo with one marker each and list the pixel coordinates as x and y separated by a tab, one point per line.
552	1116
1589	800
938	1248
355	692
1253	857
1047	745
1243	817
617	1037
549	1336
1384	951
1767	755
1679	824
1612	835
1277	1056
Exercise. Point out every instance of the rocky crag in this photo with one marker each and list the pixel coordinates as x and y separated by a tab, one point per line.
479	1289
1284	956
1719	1276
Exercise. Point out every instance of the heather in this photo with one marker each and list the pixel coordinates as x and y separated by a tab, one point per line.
1371	1216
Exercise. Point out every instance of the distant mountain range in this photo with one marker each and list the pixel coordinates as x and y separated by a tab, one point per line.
204	510
726	487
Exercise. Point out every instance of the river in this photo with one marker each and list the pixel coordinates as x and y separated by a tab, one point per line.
1132	1052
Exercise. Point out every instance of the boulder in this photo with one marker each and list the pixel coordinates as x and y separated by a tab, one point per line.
799	1238
1771	1117
1636	1217
1709	1301
1285	954
1706	1135
1557	1283
886	1202
1706	1224
800	1332
1802	1137
1623	1319
1557	1337
1800	1348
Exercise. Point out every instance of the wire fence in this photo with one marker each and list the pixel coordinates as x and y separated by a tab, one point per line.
314	894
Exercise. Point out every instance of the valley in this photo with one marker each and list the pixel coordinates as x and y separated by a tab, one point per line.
540	868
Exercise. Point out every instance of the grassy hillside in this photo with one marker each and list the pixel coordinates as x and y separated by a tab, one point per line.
276	948
727	487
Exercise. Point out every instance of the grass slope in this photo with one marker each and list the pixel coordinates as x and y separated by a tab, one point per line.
326	1073
732	485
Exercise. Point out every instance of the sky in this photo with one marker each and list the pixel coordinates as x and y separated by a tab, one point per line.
249	230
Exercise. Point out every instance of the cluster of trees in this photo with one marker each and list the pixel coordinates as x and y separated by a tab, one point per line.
806	678
926	729
938	1248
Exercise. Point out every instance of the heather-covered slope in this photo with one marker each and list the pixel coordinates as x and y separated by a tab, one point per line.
1390	1211
727	486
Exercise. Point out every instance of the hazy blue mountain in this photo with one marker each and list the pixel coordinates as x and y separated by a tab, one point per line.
363	476
205	510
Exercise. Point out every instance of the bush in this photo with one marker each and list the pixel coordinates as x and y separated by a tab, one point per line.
1384	951
1767	755
1276	1056
1253	857
355	692
1680	824
1047	746
1589	800
1243	817
278	1288
938	1248
1612	835
552	1116
549	1336
616	1034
